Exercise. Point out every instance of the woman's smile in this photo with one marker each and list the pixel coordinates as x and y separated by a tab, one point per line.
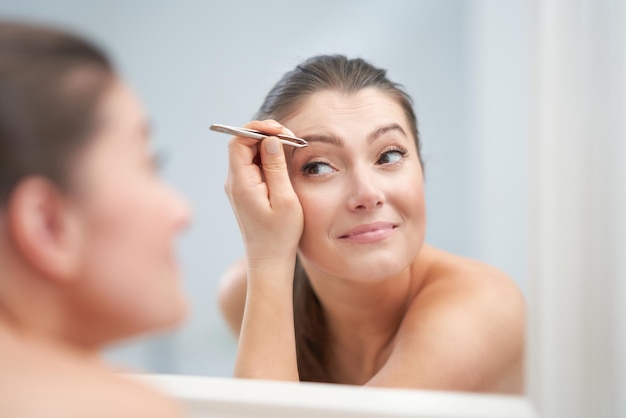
369	233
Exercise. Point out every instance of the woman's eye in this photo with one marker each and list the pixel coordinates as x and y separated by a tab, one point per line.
317	168
392	156
158	160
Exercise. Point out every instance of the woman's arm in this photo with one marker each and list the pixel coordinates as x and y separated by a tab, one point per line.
271	221
267	348
232	294
232	299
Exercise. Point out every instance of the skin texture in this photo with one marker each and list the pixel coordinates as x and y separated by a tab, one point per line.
400	313
84	267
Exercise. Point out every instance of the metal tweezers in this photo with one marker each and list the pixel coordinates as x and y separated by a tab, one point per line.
254	134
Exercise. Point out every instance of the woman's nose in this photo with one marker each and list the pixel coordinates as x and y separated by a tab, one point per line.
181	211
365	193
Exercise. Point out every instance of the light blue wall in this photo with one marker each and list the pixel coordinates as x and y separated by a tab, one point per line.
198	62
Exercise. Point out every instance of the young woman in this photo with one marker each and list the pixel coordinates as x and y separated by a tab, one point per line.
86	230
369	302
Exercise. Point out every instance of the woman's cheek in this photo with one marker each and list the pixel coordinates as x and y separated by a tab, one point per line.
319	200
310	207
317	208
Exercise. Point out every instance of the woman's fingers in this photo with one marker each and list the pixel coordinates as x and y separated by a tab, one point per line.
265	204
276	175
244	171
269	126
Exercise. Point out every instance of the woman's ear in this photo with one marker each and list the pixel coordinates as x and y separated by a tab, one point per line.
44	229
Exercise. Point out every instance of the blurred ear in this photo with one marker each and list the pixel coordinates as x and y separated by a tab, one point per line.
44	229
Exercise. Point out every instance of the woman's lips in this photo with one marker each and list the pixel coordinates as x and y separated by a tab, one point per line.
368	233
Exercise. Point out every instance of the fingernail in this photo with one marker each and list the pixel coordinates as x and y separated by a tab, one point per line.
275	124
288	132
271	145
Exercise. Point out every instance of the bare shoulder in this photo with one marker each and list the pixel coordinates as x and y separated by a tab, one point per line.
464	329
482	286
484	312
232	294
446	272
117	395
51	386
131	399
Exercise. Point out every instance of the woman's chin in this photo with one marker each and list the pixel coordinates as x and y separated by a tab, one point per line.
170	315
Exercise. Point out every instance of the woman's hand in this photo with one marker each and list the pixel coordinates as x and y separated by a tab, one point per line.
267	209
271	222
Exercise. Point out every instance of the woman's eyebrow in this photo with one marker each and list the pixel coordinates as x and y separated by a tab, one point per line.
338	141
327	139
383	130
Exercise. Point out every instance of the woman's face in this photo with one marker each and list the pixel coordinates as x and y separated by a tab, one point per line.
360	185
128	218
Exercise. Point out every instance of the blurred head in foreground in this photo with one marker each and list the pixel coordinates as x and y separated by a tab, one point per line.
87	227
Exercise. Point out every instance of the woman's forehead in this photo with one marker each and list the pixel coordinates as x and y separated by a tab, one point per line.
330	108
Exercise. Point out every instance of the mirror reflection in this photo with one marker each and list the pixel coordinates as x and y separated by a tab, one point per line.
390	251
369	303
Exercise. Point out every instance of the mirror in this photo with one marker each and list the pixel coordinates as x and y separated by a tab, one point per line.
465	64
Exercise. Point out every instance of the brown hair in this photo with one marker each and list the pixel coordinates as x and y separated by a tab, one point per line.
322	73
46	113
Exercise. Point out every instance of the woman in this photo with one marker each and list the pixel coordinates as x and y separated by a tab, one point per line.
86	230
372	304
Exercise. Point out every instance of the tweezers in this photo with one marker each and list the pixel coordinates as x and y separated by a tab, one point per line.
254	134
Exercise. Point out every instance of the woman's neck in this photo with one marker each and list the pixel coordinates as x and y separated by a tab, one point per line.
16	334
33	310
32	313
363	318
